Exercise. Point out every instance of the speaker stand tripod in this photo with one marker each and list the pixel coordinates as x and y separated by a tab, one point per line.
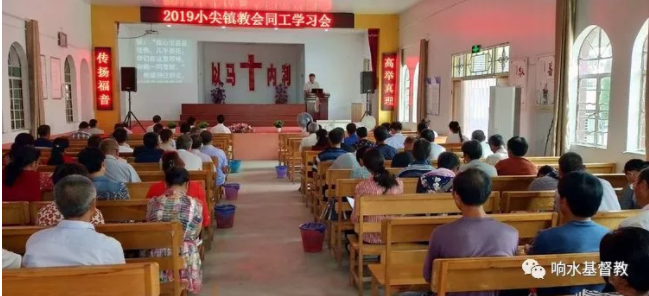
368	107
130	115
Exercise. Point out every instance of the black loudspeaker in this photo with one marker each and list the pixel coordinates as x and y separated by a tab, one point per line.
367	82
129	78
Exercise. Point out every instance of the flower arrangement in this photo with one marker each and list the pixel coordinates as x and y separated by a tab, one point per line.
278	124
218	94
203	124
281	94
172	125
240	128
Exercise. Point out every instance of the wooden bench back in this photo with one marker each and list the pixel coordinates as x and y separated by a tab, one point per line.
205	175
15	213
612	220
522	183
504	273
116	211
132	236
133	279
528	201
347	187
594	168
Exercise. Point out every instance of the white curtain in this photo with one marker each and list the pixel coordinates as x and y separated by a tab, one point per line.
475	105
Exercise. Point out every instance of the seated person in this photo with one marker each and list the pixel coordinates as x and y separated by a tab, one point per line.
435	149
117	168
546	179
397	139
475	234
74	241
360	172
157	128
156	120
20	179
382	182
221	157
456	135
120	136
641	188
631	170
220	128
195	131
106	189
94	141
194	188
197	144
57	156
631	246
312	138
361	132
516	164
497	146
43	140
478	135
420	166
167	142
472	151
322	141
191	121
386	125
381	135
404	158
421	126
192	161
124	126
150	151
330	154
185	128
346	161
351	138
83	133
572	162
581	196
440	180
50	215
11	260
94	130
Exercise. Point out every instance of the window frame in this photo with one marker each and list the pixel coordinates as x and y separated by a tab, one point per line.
13	80
644	55
495	64
68	81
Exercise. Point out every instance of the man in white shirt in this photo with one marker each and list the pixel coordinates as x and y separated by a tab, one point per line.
117	168
221	157
93	128
641	189
571	162
156	119
220	128
479	136
310	140
120	135
497	146
11	260
184	147
311	84
197	143
397	139
435	149
74	241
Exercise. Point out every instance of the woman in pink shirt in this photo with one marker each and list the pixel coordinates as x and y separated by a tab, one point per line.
382	182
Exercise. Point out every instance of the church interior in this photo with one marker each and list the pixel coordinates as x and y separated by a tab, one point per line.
365	147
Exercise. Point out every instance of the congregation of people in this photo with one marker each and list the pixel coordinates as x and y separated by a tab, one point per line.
99	172
579	196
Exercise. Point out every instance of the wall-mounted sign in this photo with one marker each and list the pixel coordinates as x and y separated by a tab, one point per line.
246	18
103	78
389	85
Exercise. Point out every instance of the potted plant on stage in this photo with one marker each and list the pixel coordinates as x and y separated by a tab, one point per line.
279	124
172	125
203	125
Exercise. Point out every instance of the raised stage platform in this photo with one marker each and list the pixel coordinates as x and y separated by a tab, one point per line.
252	114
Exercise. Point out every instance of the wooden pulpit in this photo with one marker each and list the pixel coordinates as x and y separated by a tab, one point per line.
317	105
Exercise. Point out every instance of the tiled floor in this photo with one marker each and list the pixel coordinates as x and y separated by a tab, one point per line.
262	254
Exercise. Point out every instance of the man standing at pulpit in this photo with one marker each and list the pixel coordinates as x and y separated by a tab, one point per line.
311	84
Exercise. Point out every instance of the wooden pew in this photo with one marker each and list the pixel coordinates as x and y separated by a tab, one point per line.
114	211
593	168
205	175
132	236
398	205
404	268
307	181
526	201
522	183
133	279
293	158
15	213
610	220
504	273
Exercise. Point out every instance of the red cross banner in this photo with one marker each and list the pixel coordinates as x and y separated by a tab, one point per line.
251	66
103	78
389	85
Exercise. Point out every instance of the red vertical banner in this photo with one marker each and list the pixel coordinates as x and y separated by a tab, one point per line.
103	78
389	78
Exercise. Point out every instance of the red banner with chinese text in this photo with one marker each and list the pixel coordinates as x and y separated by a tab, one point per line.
389	85
103	78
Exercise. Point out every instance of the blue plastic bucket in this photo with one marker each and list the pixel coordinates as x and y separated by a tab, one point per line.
235	165
224	215
281	171
231	191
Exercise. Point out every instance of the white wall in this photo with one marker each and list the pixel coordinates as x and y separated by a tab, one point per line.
453	26
621	20
266	54
73	18
336	57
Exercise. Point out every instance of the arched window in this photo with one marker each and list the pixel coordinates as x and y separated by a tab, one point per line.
594	62
404	101
68	69
415	97
16	102
637	86
642	126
